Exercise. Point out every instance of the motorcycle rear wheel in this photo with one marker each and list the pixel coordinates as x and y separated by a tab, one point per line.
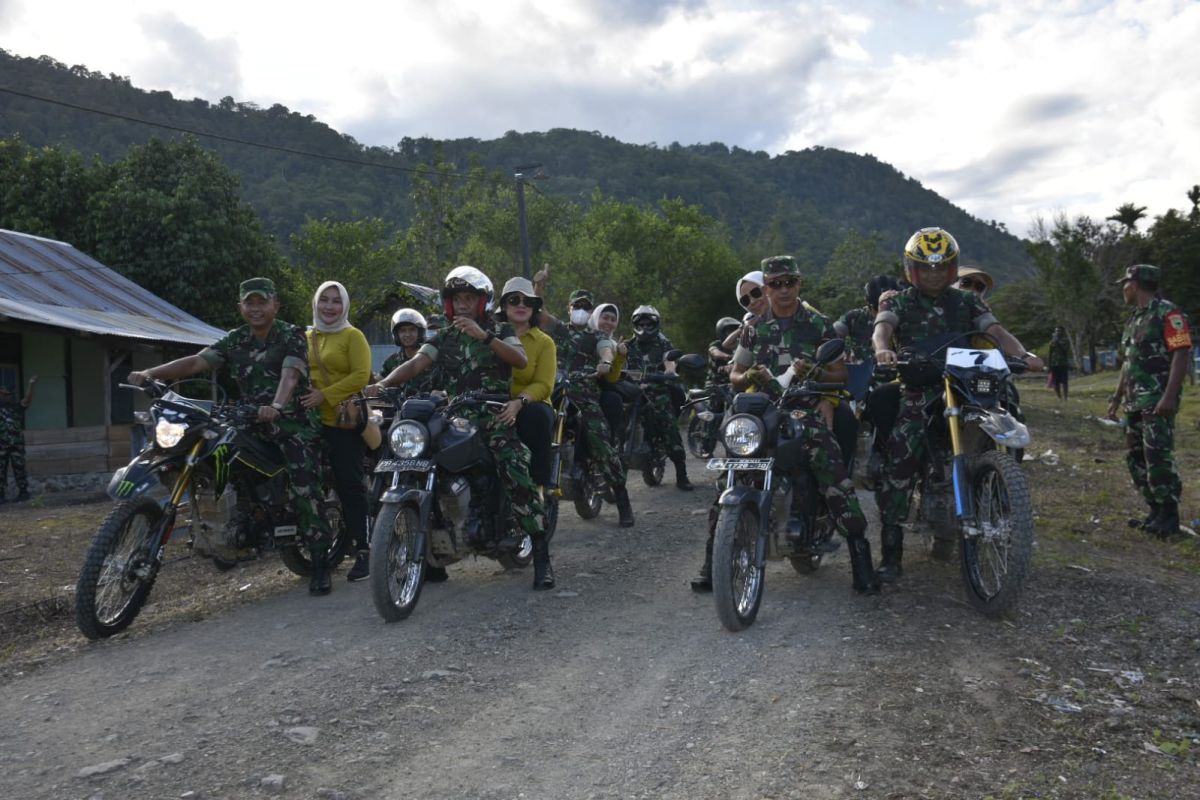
118	571
737	582
296	556
397	569
697	438
520	559
995	564
806	565
652	475
591	498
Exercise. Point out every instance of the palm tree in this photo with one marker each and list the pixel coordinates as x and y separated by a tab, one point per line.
1128	215
1194	196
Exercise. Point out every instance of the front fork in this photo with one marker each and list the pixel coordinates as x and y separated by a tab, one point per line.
964	502
182	482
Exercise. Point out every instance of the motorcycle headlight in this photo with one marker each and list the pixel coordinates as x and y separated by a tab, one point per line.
408	439
168	434
743	435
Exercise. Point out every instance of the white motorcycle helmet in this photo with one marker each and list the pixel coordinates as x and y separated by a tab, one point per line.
408	316
467	277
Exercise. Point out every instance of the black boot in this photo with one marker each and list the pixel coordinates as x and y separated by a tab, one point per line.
681	478
624	508
1167	524
319	582
362	566
1150	520
891	540
543	573
861	571
22	496
703	581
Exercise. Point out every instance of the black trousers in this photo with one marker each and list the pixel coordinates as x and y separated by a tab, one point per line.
535	427
613	406
345	449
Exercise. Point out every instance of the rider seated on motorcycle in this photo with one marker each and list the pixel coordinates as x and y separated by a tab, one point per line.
409	332
720	354
478	354
268	359
648	352
924	317
778	349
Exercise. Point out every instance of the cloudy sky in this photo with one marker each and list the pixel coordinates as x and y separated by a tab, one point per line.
1009	108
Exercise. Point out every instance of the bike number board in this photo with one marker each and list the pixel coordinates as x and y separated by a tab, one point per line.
404	465
965	357
723	464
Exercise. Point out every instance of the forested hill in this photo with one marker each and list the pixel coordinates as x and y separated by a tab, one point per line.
804	202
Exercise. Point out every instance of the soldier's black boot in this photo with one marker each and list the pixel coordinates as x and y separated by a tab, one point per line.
543	574
319	582
861	570
1150	520
891	540
681	478
1167	524
624	507
703	581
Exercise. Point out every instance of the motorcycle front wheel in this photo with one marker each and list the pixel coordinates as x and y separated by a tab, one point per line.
591	498
697	438
652	475
397	566
737	582
297	558
520	558
119	569
996	562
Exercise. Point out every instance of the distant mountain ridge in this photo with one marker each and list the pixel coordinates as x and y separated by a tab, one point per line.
803	202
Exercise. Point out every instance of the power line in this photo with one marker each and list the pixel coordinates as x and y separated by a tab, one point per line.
231	139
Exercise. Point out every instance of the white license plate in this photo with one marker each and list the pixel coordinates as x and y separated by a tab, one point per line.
404	465
724	464
285	531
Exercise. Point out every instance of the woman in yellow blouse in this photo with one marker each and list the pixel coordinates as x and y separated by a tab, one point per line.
530	408
339	365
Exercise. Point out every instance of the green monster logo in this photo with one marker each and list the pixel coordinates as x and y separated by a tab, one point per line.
124	488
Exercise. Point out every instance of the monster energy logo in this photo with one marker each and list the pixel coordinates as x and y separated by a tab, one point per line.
222	466
124	488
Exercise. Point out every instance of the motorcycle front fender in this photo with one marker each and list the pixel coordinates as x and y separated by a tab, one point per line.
737	496
419	499
137	477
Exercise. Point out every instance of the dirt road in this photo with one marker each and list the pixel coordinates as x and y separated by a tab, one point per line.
621	683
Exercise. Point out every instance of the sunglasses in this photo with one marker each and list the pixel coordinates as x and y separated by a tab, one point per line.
753	294
582	305
782	282
972	285
521	300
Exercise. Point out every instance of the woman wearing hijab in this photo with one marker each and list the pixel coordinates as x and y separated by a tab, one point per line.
753	298
339	366
604	319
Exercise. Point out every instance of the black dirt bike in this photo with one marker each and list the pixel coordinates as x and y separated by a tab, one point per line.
640	451
442	504
762	471
202	452
971	489
704	408
574	476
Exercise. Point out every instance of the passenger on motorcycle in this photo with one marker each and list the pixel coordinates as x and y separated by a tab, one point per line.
752	296
410	332
778	349
720	354
605	318
268	359
648	352
924	317
478	354
855	327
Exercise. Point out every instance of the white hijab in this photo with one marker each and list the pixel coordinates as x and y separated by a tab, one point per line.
594	319
755	277
343	321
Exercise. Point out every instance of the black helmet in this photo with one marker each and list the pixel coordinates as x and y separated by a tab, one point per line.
726	326
877	286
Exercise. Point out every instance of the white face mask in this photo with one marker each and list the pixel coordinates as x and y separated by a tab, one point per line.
579	316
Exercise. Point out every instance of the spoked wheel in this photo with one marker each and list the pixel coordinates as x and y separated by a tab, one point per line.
996	561
737	582
296	557
591	497
520	558
806	565
653	473
119	569
397	563
697	438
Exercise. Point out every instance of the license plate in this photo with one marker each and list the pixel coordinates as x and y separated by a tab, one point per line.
285	531
404	465
724	464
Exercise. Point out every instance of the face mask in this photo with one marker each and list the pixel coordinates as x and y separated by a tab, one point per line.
579	316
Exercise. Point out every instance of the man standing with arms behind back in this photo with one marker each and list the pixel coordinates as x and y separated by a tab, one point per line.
12	440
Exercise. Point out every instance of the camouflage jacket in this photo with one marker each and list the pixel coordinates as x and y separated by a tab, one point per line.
579	351
1060	352
715	376
1151	335
426	382
856	327
648	356
927	323
774	343
12	422
256	366
469	365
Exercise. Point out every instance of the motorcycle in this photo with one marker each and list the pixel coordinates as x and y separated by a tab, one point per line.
763	469
639	451
971	489
442	503
705	408
573	475
202	453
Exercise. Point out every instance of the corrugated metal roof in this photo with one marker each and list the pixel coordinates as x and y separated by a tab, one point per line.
52	283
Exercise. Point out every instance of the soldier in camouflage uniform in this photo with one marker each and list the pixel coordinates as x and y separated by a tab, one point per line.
268	359
780	347
855	327
924	317
648	352
409	329
12	440
1156	346
478	354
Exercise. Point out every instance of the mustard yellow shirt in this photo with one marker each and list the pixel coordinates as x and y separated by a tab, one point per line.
536	380
347	358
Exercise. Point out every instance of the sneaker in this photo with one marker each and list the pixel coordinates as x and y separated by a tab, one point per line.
362	566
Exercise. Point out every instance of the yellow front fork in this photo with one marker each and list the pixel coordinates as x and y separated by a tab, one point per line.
185	475
952	419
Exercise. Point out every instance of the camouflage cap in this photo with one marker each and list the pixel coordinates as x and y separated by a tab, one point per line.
1141	272
436	321
263	286
580	294
779	265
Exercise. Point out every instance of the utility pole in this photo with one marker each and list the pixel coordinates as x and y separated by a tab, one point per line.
519	174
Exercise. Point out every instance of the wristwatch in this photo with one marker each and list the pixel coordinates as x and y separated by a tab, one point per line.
524	400
277	406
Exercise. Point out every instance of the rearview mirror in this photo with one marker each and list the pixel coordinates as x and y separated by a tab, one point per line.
830	351
692	362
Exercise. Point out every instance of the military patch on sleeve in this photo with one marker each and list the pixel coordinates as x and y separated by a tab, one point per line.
1176	331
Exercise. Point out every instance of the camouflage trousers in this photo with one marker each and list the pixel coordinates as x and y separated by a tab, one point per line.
823	458
1150	440
13	452
600	448
659	423
512	469
904	453
299	441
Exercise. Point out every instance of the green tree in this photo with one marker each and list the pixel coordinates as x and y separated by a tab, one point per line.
855	260
1174	246
1128	215
365	256
44	191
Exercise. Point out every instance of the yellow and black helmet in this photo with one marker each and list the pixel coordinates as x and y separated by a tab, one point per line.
931	248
